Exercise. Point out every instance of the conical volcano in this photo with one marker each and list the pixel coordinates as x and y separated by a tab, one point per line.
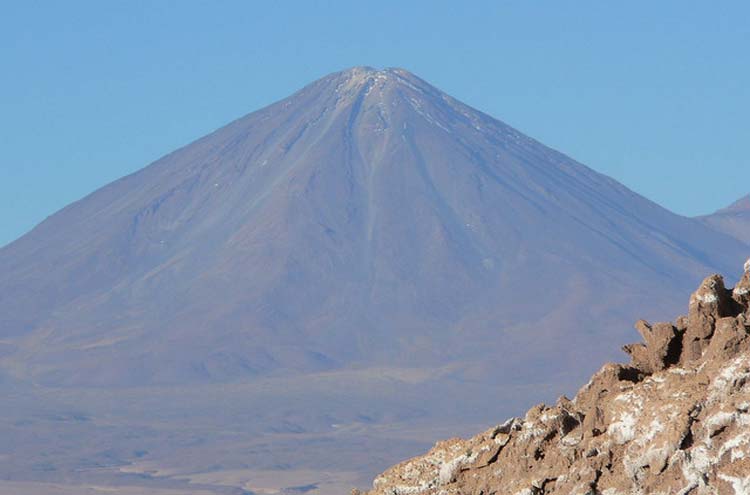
367	220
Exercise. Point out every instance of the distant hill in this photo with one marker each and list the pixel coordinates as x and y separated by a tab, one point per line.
733	220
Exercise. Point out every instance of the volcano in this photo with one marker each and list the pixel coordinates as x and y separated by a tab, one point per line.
367	220
319	289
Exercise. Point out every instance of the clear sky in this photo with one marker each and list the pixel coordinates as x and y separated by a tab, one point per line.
654	94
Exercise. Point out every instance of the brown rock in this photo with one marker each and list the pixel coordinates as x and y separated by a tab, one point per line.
707	304
651	427
741	292
662	348
729	339
640	357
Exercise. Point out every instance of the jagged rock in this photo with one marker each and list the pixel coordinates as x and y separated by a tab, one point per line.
707	304
640	357
730	338
741	292
662	348
674	421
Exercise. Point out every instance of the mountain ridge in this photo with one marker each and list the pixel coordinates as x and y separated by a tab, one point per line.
741	204
733	220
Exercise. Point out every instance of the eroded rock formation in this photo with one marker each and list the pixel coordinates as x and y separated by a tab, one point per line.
675	420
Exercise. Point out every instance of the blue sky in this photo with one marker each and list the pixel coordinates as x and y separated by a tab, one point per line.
655	94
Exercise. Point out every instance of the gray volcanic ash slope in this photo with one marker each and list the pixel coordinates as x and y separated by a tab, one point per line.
368	219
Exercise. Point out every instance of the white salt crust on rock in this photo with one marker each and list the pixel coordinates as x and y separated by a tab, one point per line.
675	420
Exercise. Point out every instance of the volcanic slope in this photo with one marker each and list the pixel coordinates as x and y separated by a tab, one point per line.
367	220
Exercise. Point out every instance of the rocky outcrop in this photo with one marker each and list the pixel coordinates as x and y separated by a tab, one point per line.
675	420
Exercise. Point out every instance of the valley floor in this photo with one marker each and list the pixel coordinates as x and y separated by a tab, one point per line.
323	434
